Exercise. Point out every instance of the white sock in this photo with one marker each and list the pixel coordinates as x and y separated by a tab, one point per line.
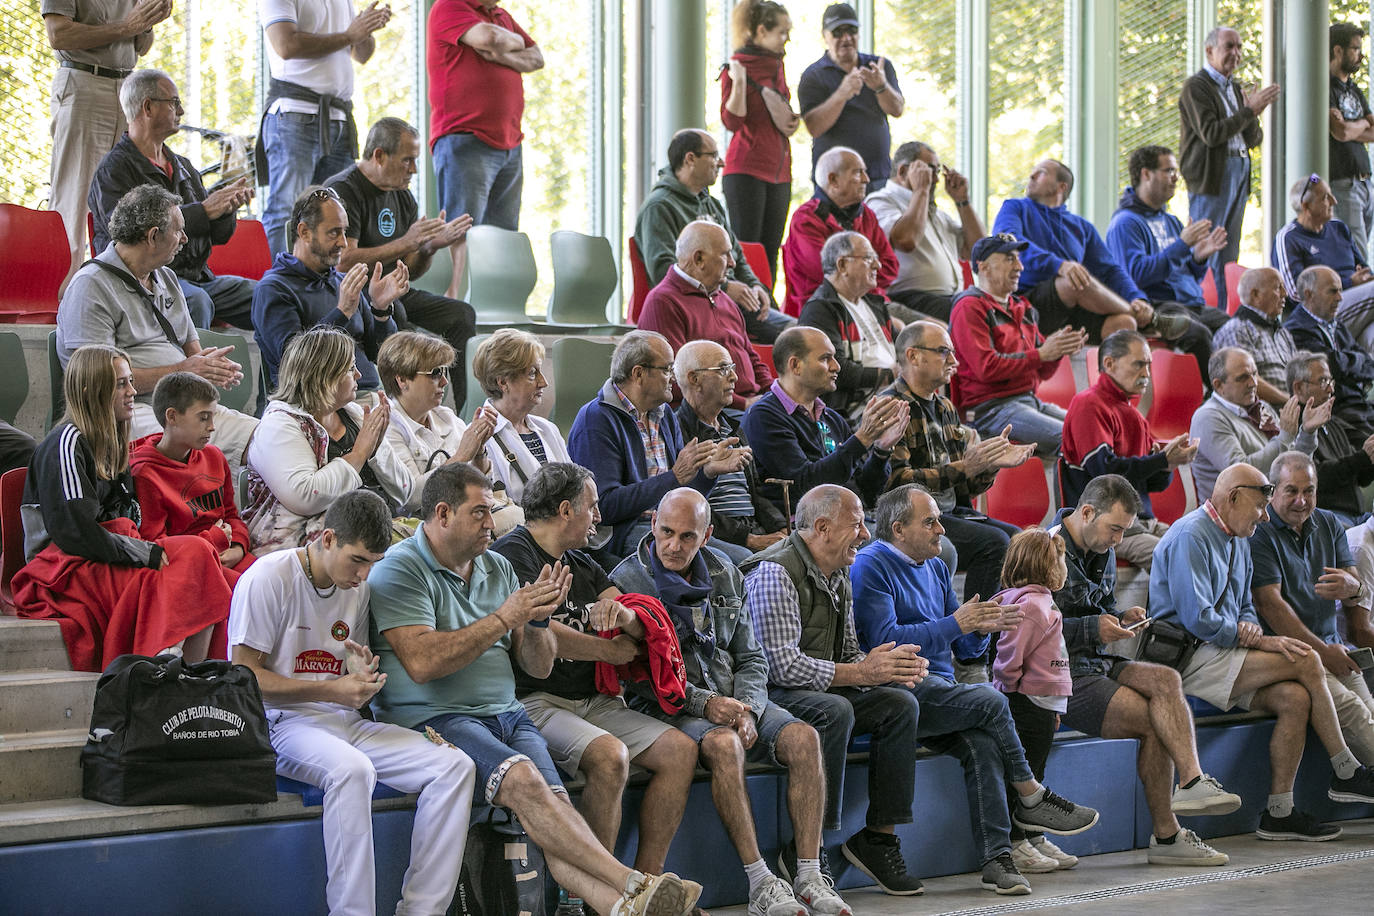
808	869
1281	805
1345	764
1033	799
757	873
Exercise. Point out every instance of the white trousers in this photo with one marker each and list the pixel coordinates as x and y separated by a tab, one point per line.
345	754
1355	712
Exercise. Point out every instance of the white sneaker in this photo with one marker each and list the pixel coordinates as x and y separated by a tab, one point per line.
1047	849
1186	849
1029	860
774	898
820	898
1206	796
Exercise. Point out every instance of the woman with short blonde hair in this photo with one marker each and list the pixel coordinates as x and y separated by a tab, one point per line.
508	366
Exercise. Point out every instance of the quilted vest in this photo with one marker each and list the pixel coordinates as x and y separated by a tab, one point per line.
822	622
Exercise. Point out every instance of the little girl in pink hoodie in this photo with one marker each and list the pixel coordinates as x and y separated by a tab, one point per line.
1032	669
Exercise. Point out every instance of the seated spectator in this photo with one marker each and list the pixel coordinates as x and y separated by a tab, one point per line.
997	337
1303	571
629	439
508	367
314	445
588	731
312	603
1360	539
16	448
451	622
690	304
1315	238
1345	465
128	298
111	591
305	288
384	226
1105	433
1234	425
927	242
1257	328
838	206
799	440
183	483
1166	261
740	514
415	369
903	596
1315	326
1115	697
799	597
153	109
855	320
948	458
682	195
1201	582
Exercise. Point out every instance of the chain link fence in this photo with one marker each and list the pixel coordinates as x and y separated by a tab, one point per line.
1154	34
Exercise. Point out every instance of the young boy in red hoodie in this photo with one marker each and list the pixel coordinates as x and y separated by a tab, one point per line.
183	483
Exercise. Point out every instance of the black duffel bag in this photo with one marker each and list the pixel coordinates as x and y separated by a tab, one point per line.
166	732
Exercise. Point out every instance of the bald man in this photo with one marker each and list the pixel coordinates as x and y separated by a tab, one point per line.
690	303
1200	592
1257	328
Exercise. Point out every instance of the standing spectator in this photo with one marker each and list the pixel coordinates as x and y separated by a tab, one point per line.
384	226
1257	328
758	163
927	242
307	131
1315	326
508	367
97	45
846	97
1352	126
1219	125
153	107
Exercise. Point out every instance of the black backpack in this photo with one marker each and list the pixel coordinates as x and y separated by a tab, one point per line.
503	872
166	732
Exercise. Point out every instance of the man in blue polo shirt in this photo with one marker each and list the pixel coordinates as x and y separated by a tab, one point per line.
846	97
1303	570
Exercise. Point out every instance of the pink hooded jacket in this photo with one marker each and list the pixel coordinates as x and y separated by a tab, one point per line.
1031	659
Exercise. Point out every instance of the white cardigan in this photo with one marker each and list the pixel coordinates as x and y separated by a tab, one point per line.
505	439
414	444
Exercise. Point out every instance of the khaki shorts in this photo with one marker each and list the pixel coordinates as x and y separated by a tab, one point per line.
1210	674
569	726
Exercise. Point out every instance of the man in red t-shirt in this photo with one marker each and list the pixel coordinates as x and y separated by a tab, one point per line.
475	56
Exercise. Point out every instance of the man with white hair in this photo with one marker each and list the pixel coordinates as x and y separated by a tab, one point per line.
1257	328
153	108
838	205
1316	326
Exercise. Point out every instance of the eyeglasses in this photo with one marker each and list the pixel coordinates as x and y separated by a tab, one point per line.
668	370
828	443
324	194
1266	489
867	259
175	101
436	374
534	374
723	368
841	31
1311	183
942	352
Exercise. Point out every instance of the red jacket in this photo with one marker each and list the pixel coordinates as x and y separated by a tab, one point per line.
663	669
757	149
187	498
801	253
998	349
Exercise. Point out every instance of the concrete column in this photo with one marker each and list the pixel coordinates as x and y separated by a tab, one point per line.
1091	144
1305	80
676	71
972	68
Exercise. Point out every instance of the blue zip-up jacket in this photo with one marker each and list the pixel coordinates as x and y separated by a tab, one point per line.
1056	236
1148	244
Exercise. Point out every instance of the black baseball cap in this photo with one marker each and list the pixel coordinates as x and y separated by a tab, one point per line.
839	14
1001	243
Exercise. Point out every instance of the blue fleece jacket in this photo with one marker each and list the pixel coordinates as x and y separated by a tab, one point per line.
899	600
1148	244
1056	236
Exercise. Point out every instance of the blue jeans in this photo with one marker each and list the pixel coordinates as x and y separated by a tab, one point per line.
494	743
294	163
479	180
1031	420
1355	208
889	715
1227	210
226	298
973	724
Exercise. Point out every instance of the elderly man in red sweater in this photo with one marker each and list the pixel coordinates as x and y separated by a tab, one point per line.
690	304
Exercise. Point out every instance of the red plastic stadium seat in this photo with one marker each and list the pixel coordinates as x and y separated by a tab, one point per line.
1090	355
34	259
1060	387
1209	288
1234	272
90	232
1177	393
966	270
1171	504
765	352
757	256
641	282
11	533
1020	496
246	254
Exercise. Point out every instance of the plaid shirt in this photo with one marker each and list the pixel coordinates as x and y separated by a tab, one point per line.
771	600
932	451
655	451
1263	338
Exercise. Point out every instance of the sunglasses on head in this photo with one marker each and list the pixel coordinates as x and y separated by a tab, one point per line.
1311	183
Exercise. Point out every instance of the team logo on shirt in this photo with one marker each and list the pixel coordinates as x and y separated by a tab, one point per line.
339	630
386	222
318	661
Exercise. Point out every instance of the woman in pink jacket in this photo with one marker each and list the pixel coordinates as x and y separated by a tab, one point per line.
1032	669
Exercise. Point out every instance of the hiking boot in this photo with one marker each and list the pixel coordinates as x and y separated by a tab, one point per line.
1054	814
1029	860
1000	875
879	855
1186	849
1296	826
1206	796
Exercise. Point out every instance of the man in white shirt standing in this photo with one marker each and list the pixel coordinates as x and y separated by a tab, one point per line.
294	619
307	132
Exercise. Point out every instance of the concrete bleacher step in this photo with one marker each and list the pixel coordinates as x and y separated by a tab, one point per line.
31	645
38	701
41	765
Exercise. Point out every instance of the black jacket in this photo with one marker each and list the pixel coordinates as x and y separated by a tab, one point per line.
825	312
734	528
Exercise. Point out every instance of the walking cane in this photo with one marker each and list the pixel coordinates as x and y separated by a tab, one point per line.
786	497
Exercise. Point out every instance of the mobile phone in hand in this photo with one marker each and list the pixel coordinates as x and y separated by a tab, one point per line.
1138	624
1362	657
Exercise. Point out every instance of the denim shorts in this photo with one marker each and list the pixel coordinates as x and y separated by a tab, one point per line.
770	724
495	744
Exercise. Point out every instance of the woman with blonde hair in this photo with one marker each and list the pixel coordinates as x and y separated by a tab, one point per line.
314	444
508	367
111	591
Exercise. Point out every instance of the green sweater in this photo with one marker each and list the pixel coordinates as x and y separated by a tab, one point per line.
667	210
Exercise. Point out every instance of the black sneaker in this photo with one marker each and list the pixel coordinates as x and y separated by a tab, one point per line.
1358	788
1055	814
1296	826
879	855
787	863
1000	875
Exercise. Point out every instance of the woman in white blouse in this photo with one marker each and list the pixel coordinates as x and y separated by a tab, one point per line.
314	444
508	367
423	433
